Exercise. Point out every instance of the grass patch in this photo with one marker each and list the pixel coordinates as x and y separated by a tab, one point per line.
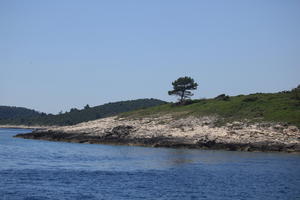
260	107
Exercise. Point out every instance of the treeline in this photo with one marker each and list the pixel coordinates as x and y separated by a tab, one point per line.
24	116
11	112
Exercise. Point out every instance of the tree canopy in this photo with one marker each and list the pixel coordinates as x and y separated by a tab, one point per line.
182	87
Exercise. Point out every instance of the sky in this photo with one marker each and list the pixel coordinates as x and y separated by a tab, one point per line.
60	54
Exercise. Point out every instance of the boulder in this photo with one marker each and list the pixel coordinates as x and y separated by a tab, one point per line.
119	131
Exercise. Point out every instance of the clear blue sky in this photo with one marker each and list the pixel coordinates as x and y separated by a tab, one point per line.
59	54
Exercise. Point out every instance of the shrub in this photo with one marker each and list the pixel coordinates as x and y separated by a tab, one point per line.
250	99
296	93
222	97
183	103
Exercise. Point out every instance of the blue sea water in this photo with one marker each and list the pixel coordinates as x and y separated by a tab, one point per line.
33	169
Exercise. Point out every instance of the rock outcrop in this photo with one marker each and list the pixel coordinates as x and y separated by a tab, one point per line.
165	131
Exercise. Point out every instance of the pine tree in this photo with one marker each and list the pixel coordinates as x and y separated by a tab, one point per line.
182	87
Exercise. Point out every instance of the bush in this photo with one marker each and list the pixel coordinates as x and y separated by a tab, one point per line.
250	99
222	97
296	93
183	103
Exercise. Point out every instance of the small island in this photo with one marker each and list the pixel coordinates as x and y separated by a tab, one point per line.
255	122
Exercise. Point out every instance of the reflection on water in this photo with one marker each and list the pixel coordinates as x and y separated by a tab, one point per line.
179	157
57	170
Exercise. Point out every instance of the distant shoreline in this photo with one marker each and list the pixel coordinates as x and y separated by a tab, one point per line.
24	127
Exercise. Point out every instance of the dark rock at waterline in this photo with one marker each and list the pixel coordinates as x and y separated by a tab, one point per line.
121	135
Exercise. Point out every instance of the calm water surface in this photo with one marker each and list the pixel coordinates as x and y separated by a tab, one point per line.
32	169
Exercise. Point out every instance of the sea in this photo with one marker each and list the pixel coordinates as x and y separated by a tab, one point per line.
41	170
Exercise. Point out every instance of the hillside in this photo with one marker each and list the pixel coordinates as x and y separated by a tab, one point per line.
12	112
23	116
260	107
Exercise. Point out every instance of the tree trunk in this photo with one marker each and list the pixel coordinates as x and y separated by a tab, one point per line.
182	96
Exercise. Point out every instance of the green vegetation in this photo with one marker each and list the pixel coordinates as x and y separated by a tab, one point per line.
270	107
296	93
182	87
11	112
23	116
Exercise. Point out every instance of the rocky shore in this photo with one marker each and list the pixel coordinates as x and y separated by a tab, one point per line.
166	131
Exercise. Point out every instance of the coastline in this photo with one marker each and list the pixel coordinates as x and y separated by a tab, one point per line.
35	127
165	131
161	142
